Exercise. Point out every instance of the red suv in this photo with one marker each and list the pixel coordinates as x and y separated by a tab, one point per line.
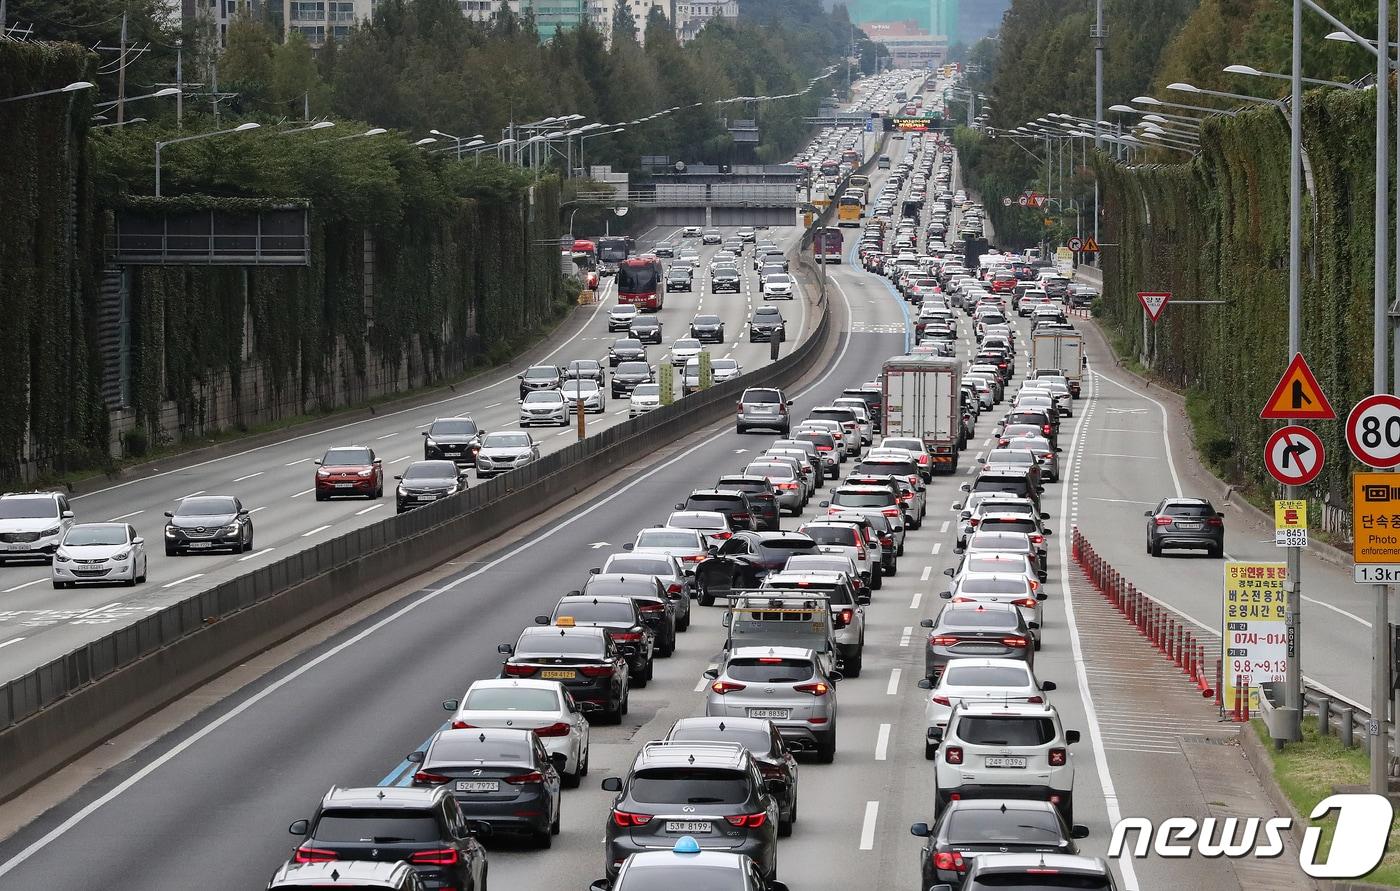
349	470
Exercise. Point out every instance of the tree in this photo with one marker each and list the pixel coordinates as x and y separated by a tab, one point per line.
246	65
658	27
624	28
295	84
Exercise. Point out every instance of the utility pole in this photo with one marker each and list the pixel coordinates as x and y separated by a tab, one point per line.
121	75
1293	583
2	18
1380	626
214	86
179	84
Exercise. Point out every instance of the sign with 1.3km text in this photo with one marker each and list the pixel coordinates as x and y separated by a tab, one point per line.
1375	527
1255	626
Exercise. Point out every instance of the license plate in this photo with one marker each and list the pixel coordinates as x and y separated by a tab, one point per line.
427	498
1188	525
689	826
558	675
201	544
1003	761
478	785
778	713
14	547
345	485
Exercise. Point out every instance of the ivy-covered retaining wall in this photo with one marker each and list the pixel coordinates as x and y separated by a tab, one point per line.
1217	229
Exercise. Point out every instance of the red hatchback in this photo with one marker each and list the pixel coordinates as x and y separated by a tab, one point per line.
349	470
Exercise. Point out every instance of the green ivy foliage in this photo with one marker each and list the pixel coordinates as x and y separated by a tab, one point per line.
1217	229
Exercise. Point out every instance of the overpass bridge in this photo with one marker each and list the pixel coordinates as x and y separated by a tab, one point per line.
709	195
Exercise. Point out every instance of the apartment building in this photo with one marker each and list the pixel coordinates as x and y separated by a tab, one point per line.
551	16
322	20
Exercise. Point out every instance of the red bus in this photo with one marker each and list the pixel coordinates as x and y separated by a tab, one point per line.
641	282
826	245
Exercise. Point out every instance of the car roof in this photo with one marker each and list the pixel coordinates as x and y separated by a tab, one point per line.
777	652
691	754
514	683
382	797
342	872
563	631
708	858
1007	709
1068	863
593	598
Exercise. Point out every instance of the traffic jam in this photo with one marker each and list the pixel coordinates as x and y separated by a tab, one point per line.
783	560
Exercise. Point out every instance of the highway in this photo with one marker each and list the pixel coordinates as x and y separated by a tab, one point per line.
39	624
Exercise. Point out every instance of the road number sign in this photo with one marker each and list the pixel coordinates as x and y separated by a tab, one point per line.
1373	430
1154	302
1076	244
1298	395
1294	455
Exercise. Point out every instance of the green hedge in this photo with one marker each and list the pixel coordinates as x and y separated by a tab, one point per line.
1217	229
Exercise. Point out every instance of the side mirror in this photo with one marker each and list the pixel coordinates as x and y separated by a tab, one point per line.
925	623
957	506
1147	513
520	377
300	827
628	546
789	402
680	506
541	620
935	734
451	705
711	673
1058	449
862	599
946	595
961	551
836	676
1041	595
1047	532
1044	515
1034	626
1079	830
600	885
573	593
425	433
505	649
138	540
775	787
1071	737
965	487
925	684
398	477
612	784
920	830
317	461
728	617
713	549
170	513
1048	686
950	572
414	758
824	504
1220	514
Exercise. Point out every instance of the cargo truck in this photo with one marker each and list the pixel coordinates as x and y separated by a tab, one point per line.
1061	352
921	398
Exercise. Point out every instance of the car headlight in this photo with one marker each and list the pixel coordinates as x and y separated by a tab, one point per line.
366	473
49	532
429	443
170	532
323	472
401	492
120	556
230	529
61	557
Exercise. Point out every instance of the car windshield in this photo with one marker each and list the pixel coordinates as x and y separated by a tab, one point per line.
689	785
863	499
707	320
431	470
473	747
1000	730
959	675
512	699
647	390
535	396
28	508
640	565
633	368
831	535
687	344
662	538
455	427
769	670
1014	826
777	278
646	322
343	457
206	507
596	611
558	644
584	387
95	535
541	374
683	877
506	441
724	364
628	343
767	314
381	826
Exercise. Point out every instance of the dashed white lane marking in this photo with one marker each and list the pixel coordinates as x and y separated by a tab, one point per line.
944	527
928	570
125	516
914	601
492	405
296	462
867	828
25	585
701	684
361	513
304	492
254	555
247	477
972	468
397	460
882	742
6	643
188	578
256	509
893	686
937	546
388	435
905	635
317	529
192	494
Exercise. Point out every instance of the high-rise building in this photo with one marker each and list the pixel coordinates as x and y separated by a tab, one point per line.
551	16
691	15
603	12
322	20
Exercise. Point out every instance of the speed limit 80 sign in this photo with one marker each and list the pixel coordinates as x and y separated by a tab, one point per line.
1373	431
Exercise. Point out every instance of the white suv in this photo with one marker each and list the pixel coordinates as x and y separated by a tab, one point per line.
1013	750
32	524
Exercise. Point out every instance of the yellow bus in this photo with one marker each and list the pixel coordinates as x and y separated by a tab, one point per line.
849	209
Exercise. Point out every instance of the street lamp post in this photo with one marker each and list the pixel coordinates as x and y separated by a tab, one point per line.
587	136
1251	71
160	145
168	91
372	131
74	87
456	141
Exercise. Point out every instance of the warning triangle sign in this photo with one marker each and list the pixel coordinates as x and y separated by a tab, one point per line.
1298	395
1154	303
1090	246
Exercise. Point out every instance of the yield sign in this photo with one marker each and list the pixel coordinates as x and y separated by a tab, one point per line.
1294	455
1298	395
1154	302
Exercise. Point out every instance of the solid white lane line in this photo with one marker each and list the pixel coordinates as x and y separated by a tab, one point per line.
254	555
867	827
937	546
928	570
914	601
317	529
248	477
893	686
882	742
25	585
6	643
305	492
188	578
361	513
125	516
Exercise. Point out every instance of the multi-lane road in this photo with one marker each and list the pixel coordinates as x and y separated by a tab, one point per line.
39	624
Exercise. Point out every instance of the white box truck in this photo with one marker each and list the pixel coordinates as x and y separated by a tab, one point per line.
1060	352
921	395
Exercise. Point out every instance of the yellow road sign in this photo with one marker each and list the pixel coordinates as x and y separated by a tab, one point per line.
1291	523
1255	628
1375	526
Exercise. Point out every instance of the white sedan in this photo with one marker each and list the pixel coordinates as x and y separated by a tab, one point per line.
99	552
971	680
542	706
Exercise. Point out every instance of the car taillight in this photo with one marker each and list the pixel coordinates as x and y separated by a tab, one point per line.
973	521
847	615
748	821
674	588
906	496
1214	521
596	671
519	671
700	558
773	771
822	448
1057	757
741	408
787	487
1046	428
1027	602
942	700
723	687
462	725
651	608
314	855
1037	538
627	636
1035	700
626	818
722	536
436	857
944	640
426	778
1163	521
740	516
559	728
1014	642
886	540
525	779
953	754
817	689
1035	584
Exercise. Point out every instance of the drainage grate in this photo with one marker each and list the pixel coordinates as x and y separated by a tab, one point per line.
1204	740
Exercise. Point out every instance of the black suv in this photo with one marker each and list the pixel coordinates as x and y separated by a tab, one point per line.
679	278
656	606
970	827
733	504
763	499
540	377
620	618
1185	523
385	824
646	329
584	660
712	792
766	323
452	439
627	375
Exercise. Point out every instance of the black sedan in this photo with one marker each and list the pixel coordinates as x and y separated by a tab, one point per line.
626	349
584	660
680	278
424	482
766	323
990	826
584	369
502	777
646	329
627	375
620	618
707	329
976	630
207	523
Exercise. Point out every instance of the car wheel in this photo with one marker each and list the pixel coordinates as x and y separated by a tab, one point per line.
58	586
558	815
877	578
1217	551
626	697
705	598
898	553
826	748
544	840
322	496
853	665
740	429
930	751
684	624
668	649
1154	549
